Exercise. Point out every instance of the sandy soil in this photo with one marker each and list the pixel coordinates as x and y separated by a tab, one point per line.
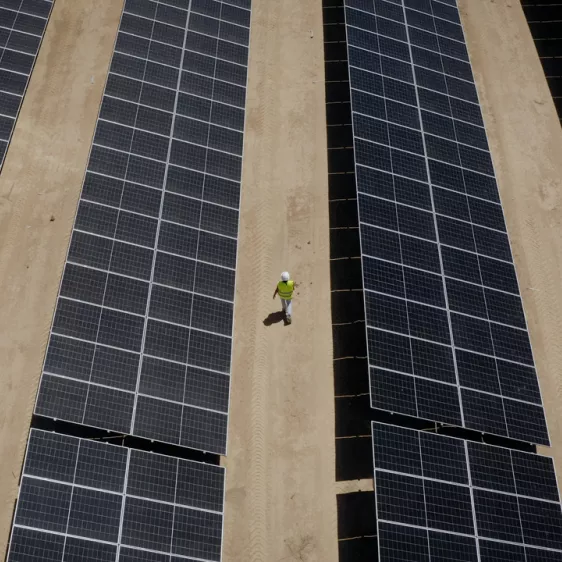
526	141
39	189
281	503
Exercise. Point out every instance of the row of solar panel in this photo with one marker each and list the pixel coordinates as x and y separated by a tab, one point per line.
435	361
400	79
410	140
141	339
414	192
431	400
168	304
430	323
444	10
152	8
464	299
135	44
440	498
22	25
437	268
486	297
86	501
416	227
441	296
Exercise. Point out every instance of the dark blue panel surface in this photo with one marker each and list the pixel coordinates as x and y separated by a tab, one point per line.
432	220
83	500
141	341
471	501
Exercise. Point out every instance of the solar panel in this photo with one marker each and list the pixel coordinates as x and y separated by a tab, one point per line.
443	498
142	333
84	501
22	25
446	333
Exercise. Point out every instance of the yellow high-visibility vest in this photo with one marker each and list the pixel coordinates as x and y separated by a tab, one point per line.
285	289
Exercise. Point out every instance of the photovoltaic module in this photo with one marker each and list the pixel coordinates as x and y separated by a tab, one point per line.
141	338
446	333
142	335
22	25
441	498
88	501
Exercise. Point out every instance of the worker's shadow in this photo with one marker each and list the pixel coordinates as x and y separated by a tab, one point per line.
275	318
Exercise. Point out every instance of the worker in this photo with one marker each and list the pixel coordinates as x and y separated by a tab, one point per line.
285	289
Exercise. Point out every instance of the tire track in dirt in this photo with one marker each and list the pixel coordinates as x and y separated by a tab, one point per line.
254	269
280	501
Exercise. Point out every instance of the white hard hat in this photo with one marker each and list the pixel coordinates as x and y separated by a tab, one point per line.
285	276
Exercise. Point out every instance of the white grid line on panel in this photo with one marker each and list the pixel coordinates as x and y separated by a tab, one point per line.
465	443
417	130
149	247
196	33
137	548
404	42
479	268
400	204
156	283
433	242
20	11
472	504
19	31
487	319
113	96
132	392
147	315
162	161
172	89
146	59
388	522
135	128
425	155
123	502
179	194
423	477
411	62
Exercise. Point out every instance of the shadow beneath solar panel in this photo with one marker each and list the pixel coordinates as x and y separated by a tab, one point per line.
353	449
357	527
544	23
86	432
354	458
355	550
274	318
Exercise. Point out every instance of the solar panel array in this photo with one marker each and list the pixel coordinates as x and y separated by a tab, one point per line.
446	332
142	334
441	498
88	501
22	25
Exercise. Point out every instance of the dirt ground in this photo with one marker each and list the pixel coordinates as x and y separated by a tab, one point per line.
280	502
526	141
39	188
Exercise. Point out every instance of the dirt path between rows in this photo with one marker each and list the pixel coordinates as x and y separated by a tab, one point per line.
39	188
526	143
280	502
